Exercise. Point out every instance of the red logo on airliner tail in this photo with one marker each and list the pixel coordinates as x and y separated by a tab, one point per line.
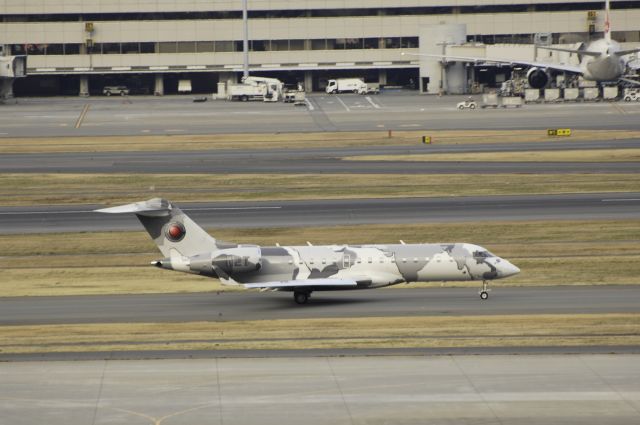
175	231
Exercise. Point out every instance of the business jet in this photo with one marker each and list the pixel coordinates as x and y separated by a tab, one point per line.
186	247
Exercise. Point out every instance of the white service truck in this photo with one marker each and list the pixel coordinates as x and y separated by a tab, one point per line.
350	85
256	88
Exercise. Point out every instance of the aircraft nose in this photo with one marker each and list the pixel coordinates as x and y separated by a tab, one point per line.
507	269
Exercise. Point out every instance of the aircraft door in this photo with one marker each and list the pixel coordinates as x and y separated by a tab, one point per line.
346	261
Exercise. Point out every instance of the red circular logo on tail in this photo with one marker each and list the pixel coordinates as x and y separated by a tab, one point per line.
175	232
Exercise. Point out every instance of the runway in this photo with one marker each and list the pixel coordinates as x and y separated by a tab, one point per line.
317	160
585	390
51	117
250	305
81	218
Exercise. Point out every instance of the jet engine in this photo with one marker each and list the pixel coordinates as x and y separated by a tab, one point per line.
537	78
237	260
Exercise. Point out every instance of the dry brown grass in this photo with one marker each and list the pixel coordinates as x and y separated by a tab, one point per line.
288	140
370	332
49	189
599	155
549	253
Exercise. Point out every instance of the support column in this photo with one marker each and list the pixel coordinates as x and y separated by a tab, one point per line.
308	81
382	77
84	85
159	90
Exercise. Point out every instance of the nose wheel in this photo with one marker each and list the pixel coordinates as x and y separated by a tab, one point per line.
484	293
301	297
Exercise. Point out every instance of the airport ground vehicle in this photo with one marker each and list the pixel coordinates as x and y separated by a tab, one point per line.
631	94
256	88
351	85
467	104
111	90
490	100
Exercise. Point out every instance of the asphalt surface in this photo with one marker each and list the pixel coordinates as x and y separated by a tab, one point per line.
527	390
51	117
317	160
81	218
251	305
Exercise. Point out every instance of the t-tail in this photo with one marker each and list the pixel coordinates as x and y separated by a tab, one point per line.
183	243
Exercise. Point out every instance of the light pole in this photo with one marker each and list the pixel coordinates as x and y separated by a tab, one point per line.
245	41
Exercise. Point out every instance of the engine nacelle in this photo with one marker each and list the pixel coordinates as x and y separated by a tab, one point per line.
537	78
238	260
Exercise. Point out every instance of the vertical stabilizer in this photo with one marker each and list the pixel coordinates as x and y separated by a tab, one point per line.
607	22
172	230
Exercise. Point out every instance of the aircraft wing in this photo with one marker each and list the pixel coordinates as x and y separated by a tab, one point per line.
302	283
630	81
544	65
576	51
627	52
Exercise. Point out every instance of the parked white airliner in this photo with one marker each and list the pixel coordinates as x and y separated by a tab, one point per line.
601	60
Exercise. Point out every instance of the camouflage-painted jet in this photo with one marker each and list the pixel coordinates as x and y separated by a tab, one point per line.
304	269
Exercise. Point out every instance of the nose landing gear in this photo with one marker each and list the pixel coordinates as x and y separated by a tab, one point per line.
301	297
484	293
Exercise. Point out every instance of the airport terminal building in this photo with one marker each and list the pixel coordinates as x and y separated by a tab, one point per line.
79	46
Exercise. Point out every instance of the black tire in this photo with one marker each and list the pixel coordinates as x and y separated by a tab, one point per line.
244	98
484	295
108	94
472	106
461	107
301	297
122	93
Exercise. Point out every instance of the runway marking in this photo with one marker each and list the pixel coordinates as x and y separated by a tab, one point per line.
622	200
231	208
82	115
343	104
374	104
309	105
409	125
184	209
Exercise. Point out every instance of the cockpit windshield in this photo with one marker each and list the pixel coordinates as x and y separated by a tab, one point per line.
483	254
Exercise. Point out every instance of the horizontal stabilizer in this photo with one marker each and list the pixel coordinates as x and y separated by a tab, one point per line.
301	283
152	207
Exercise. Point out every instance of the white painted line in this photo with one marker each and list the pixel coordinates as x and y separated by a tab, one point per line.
82	69
309	105
158	68
343	104
184	209
231	208
308	65
45	70
374	104
197	67
622	200
232	66
382	63
345	63
270	65
121	68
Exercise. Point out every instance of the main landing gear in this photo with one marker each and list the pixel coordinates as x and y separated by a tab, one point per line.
301	297
484	293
